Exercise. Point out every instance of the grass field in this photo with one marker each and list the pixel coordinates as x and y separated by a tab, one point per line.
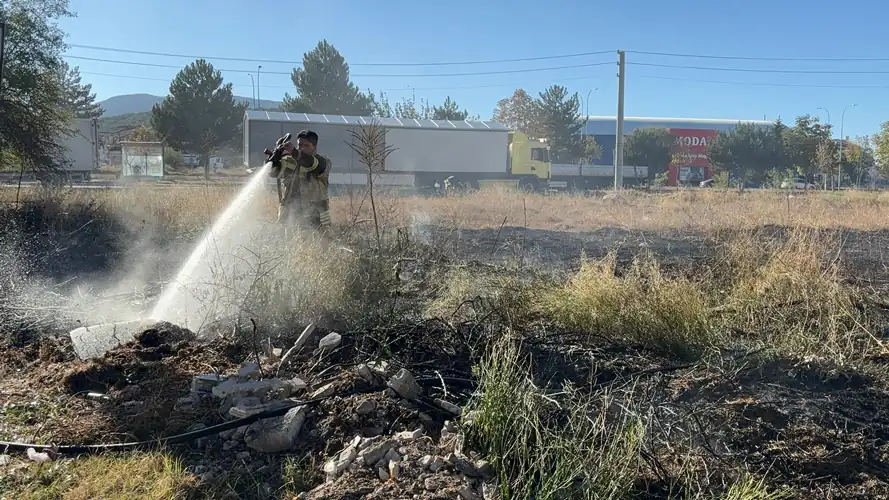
691	344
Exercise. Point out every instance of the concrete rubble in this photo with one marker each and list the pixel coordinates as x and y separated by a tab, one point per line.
428	455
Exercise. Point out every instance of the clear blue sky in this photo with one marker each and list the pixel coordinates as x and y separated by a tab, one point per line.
402	31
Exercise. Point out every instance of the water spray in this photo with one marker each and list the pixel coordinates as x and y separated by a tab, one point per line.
193	298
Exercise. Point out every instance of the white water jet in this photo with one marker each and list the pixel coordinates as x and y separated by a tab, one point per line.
209	286
210	283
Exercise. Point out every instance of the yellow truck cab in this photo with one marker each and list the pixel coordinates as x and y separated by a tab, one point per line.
529	160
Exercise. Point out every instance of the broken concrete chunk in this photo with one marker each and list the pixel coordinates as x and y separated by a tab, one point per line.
366	407
203	384
374	453
391	456
263	389
276	434
379	368
246	406
449	407
249	371
408	436
323	391
296	385
404	384
330	341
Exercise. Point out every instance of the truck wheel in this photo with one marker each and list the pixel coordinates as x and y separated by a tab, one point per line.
528	185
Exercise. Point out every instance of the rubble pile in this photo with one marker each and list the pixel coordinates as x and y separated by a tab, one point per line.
383	440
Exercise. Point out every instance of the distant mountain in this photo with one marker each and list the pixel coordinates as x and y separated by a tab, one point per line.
142	103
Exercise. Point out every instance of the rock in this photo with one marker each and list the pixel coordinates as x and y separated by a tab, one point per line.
277	352
394	469
364	442
425	461
383	474
330	341
323	391
391	456
436	464
263	389
276	434
432	483
449	426
245	407
485	468
449	407
366	407
375	452
203	384
296	385
5	460
367	375
335	466
379	368
249	371
408	436
463	465
404	384
466	493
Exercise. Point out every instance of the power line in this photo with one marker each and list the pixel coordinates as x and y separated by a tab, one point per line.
762	70
759	84
480	73
468	87
760	58
299	63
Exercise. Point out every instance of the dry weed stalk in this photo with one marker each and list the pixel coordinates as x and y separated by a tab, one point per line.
369	143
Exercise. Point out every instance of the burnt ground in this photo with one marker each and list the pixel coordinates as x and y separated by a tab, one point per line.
809	426
819	430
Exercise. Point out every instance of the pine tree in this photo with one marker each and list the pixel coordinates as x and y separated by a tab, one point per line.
200	114
323	86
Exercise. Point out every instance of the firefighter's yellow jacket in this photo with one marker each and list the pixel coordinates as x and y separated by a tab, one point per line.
304	177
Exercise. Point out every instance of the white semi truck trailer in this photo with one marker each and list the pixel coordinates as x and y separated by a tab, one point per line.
426	152
81	153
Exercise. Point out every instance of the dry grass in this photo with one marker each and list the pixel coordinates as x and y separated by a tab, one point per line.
195	206
154	476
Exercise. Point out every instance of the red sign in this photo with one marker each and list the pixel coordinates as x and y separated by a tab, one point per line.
692	148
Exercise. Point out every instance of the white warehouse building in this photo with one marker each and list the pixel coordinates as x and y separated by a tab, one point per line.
420	156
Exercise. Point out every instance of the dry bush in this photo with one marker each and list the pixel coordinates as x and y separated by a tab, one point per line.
589	453
642	306
793	294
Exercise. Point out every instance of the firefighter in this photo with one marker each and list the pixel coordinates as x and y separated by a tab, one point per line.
304	178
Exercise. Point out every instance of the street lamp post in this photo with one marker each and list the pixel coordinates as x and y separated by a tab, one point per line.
842	141
258	100
253	84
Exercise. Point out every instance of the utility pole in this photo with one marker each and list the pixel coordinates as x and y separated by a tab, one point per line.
619	149
842	143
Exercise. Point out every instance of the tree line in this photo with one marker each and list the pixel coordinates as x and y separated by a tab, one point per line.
40	94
